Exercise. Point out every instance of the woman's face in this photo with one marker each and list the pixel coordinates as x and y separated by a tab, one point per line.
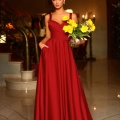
58	3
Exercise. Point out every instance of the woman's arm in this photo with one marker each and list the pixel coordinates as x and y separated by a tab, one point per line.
48	34
74	17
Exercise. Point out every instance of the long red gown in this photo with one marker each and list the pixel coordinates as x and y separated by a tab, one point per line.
59	92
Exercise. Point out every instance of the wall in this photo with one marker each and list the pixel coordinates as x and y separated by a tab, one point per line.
98	7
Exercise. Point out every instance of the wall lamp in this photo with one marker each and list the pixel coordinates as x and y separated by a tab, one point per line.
88	15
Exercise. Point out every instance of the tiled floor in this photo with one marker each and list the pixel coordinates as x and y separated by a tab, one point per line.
101	82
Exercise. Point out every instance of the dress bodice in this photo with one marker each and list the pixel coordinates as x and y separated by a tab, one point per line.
57	29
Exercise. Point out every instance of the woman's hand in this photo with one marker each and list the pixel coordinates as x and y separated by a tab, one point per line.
78	42
82	41
42	45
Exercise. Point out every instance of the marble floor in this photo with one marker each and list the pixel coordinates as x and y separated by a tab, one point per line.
101	82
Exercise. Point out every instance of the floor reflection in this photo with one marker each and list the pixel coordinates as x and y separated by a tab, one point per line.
16	105
101	82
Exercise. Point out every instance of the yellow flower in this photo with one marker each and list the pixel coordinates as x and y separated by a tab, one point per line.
92	28
90	23
65	28
72	23
68	28
84	28
65	18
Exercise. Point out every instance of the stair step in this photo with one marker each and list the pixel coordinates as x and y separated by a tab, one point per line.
15	62
8	67
21	93
19	84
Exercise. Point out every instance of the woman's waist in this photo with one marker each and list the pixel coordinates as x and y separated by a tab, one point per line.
57	41
59	38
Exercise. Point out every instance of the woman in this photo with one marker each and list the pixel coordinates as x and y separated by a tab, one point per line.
59	93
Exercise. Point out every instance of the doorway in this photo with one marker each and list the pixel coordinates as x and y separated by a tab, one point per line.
113	23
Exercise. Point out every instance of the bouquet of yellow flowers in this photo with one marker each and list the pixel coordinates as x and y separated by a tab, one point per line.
78	31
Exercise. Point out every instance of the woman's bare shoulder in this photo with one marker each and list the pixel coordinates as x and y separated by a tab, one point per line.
74	15
47	16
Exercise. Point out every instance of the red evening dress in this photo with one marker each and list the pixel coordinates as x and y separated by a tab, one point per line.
59	92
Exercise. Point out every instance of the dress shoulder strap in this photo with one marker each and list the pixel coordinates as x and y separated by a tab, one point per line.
70	15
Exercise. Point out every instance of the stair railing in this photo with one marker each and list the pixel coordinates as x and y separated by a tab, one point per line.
27	51
34	36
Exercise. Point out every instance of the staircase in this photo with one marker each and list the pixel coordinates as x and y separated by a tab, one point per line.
13	76
17	73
